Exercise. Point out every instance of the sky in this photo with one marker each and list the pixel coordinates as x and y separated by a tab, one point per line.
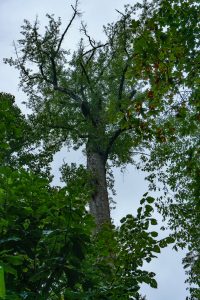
130	185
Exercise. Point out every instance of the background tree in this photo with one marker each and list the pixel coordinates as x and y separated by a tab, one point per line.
173	66
14	131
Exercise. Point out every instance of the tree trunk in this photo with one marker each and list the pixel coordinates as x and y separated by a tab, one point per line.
99	205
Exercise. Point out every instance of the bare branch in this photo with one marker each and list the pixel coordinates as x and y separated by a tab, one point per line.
76	13
119	12
91	41
94	49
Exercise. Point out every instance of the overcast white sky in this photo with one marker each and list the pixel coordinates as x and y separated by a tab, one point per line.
130	186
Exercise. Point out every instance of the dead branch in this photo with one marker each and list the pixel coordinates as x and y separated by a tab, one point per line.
91	41
76	13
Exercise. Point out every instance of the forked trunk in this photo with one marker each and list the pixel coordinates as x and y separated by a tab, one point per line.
99	205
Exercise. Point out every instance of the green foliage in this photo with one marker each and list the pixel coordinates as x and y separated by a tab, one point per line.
119	256
2	284
136	93
44	234
167	54
47	250
176	166
18	140
13	130
192	265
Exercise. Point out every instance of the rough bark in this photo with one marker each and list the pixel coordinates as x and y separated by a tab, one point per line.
99	205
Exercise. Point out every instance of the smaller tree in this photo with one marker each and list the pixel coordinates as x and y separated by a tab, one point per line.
14	130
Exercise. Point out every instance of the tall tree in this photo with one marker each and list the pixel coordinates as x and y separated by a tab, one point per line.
83	98
113	97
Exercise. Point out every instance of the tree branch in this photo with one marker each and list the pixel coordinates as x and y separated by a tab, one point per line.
54	73
114	137
94	49
54	82
85	106
86	75
91	41
66	127
22	67
122	80
43	75
112	141
68	26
